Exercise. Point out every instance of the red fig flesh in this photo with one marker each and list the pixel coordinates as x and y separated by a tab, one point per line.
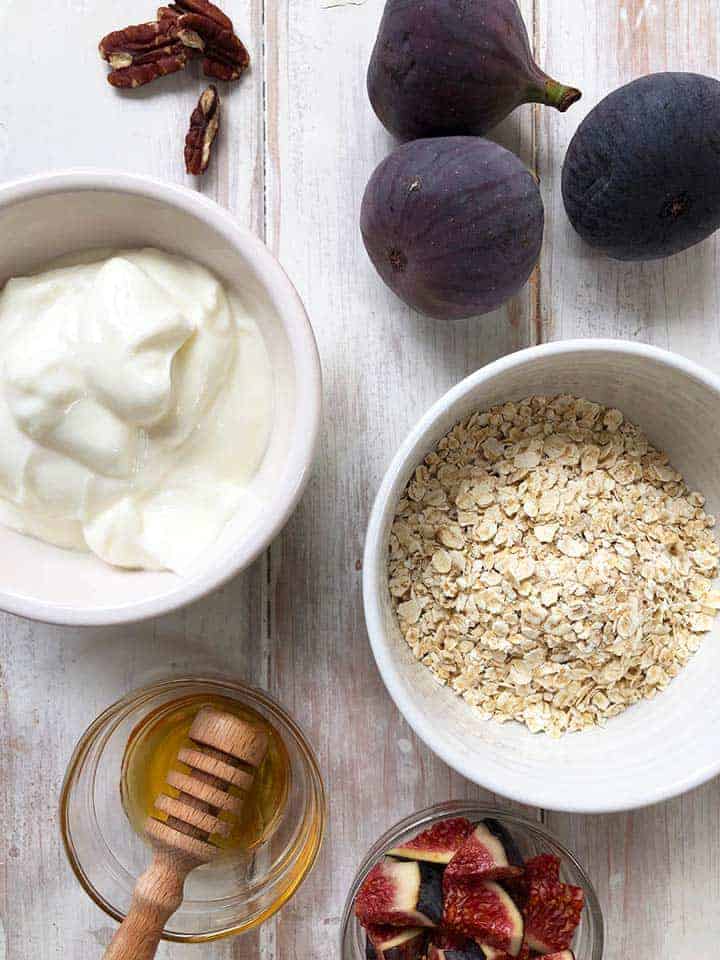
543	867
492	953
486	913
483	856
393	943
552	915
400	895
439	844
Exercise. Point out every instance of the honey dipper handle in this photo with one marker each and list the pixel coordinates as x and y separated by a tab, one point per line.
158	894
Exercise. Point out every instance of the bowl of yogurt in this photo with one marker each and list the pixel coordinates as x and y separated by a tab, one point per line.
160	397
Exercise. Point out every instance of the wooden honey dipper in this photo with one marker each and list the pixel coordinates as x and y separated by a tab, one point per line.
222	744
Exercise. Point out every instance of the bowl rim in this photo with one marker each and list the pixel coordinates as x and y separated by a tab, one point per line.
106	722
472	809
373	586
308	406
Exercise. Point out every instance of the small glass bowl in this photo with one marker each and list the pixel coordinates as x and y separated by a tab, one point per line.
229	896
531	838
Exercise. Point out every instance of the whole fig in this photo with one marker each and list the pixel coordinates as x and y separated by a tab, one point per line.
445	67
453	225
641	179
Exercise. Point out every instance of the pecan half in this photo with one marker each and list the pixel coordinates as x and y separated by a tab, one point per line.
219	69
225	56
121	47
203	7
139	54
144	70
204	125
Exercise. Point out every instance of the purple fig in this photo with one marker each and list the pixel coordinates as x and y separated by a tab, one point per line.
453	225
448	67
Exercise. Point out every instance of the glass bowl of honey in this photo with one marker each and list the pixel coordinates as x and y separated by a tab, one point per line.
120	766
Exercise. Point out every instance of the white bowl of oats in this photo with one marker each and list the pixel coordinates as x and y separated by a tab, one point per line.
540	576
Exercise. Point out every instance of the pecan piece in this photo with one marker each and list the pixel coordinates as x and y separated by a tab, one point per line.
145	69
204	125
203	7
121	47
220	69
139	54
225	56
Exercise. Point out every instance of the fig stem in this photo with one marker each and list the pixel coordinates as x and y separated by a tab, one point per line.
555	94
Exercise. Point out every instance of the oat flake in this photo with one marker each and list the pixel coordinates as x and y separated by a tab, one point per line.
550	566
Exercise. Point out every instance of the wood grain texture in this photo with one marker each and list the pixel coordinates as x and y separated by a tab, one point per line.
657	871
299	142
382	366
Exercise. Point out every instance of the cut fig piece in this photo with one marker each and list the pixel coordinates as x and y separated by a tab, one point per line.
439	844
546	866
489	853
465	949
492	953
447	940
450	946
552	915
400	894
564	955
392	943
515	858
485	912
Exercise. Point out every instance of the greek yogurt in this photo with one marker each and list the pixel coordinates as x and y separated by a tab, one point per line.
136	402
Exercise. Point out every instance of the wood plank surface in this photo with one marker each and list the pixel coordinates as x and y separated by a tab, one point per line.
382	365
657	871
298	145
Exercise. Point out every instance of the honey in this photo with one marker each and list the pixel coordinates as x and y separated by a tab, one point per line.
152	751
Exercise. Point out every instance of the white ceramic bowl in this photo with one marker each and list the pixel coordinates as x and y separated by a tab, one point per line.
655	750
48	216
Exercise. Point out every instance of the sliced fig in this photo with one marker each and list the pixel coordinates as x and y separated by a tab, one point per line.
464	950
439	844
447	940
485	912
489	853
552	914
515	858
455	947
392	943
492	953
400	894
563	955
546	866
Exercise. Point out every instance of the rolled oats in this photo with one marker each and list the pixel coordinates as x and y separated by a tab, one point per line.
551	566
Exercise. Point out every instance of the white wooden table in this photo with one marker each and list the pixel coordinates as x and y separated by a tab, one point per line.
298	145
